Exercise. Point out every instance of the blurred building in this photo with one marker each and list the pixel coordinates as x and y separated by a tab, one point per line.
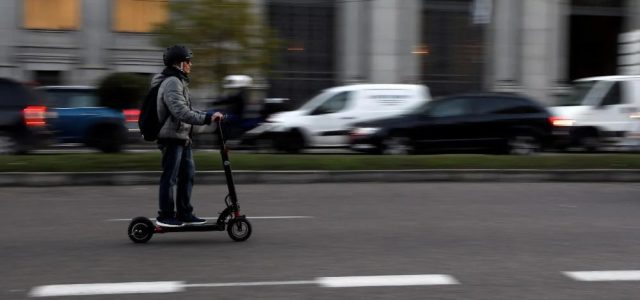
77	41
534	47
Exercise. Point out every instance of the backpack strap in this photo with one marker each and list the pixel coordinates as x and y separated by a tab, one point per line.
160	98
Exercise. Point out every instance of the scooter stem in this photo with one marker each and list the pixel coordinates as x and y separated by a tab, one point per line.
226	165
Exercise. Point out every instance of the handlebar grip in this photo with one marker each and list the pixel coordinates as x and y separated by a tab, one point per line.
223	119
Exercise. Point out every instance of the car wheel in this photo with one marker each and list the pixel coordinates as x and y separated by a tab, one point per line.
396	145
589	142
523	144
291	142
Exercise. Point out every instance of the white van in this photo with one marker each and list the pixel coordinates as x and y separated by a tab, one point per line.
601	111
325	120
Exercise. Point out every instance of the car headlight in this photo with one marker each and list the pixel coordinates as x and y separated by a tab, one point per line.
363	131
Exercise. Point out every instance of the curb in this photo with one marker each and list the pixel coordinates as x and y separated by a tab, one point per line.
49	179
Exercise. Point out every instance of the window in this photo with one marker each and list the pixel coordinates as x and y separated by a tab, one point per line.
449	108
139	15
578	94
52	14
504	106
47	77
333	104
613	96
454	59
72	98
307	62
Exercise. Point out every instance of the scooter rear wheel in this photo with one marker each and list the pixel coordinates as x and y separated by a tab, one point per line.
239	229
140	230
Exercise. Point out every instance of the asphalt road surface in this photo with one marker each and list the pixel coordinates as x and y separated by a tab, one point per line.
331	241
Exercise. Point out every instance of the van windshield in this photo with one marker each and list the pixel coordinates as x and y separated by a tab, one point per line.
315	101
577	95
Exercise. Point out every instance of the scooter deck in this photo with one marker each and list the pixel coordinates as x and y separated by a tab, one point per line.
186	228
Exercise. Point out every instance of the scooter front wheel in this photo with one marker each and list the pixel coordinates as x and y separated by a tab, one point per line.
239	229
140	230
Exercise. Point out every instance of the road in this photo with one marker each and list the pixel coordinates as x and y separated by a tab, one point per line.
436	241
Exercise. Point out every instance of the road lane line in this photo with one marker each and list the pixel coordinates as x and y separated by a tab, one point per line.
107	289
257	283
389	280
215	218
88	289
623	275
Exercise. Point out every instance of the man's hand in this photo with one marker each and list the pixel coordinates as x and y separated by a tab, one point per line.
217	117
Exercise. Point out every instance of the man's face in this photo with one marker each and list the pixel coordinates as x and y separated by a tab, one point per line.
186	66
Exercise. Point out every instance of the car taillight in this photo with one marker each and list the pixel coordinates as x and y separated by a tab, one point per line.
35	116
561	122
131	115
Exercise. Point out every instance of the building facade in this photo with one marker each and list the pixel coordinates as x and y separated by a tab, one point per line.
532	47
75	41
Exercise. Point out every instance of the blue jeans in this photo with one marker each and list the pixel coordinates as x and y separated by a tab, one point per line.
178	172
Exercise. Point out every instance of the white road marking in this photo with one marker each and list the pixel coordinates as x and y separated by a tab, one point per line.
625	275
389	280
107	289
258	283
215	218
61	290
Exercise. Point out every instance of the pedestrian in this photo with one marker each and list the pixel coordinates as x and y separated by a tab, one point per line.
174	138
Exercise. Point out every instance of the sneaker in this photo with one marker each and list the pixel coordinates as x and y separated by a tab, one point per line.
169	222
193	220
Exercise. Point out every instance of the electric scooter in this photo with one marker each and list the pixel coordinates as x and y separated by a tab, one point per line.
141	229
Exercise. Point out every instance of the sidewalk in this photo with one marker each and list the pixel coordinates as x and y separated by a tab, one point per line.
37	179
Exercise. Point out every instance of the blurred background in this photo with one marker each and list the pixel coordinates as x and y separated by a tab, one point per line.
292	50
536	47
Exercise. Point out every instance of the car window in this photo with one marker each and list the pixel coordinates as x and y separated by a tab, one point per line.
613	96
504	106
72	98
577	95
449	108
334	104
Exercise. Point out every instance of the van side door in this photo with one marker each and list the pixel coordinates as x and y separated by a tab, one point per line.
613	111
328	123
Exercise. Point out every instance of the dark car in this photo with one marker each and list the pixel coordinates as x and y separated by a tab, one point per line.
23	118
486	123
79	118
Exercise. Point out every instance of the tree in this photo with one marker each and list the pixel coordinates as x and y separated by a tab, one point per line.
225	36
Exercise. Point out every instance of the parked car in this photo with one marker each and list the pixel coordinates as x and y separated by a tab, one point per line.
80	119
324	121
602	111
487	123
23	118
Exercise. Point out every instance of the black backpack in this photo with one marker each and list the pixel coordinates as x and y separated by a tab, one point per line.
148	121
